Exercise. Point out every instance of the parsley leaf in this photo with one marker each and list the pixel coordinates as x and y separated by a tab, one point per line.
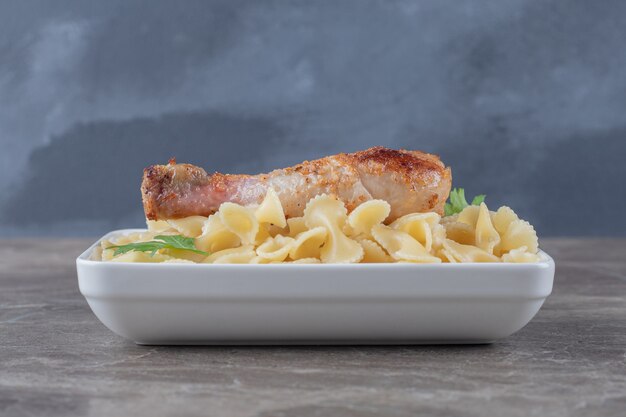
159	242
458	202
480	198
178	241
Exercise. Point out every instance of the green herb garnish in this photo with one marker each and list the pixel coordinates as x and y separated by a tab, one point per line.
458	203
160	242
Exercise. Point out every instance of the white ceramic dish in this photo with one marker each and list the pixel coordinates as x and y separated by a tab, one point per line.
312	303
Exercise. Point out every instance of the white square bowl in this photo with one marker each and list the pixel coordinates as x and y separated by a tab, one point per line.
207	304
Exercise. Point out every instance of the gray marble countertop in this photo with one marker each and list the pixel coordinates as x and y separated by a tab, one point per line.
56	359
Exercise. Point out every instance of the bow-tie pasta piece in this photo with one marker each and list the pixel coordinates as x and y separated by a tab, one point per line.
296	226
439	236
419	226
271	210
178	261
300	261
159	226
184	254
215	236
401	246
446	256
258	260
105	254
327	212
487	237
520	255
140	257
503	218
449	219
189	226
469	215
240	255
274	230
306	261
308	244
373	253
366	215
133	238
239	220
466	253
519	233
275	248
460	232
262	234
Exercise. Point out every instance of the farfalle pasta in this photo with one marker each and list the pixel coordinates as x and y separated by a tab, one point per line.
270	210
373	252
419	226
366	216
295	226
458	252
308	244
327	233
520	255
216	236
239	220
275	248
486	236
240	255
401	246
331	214
188	226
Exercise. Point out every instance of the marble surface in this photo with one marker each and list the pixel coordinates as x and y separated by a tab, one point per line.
56	359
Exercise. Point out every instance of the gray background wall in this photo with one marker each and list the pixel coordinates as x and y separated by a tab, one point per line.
526	100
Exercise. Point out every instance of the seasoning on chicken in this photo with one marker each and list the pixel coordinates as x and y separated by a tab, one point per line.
410	181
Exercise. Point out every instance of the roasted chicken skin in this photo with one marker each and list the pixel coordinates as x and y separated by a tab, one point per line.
410	181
